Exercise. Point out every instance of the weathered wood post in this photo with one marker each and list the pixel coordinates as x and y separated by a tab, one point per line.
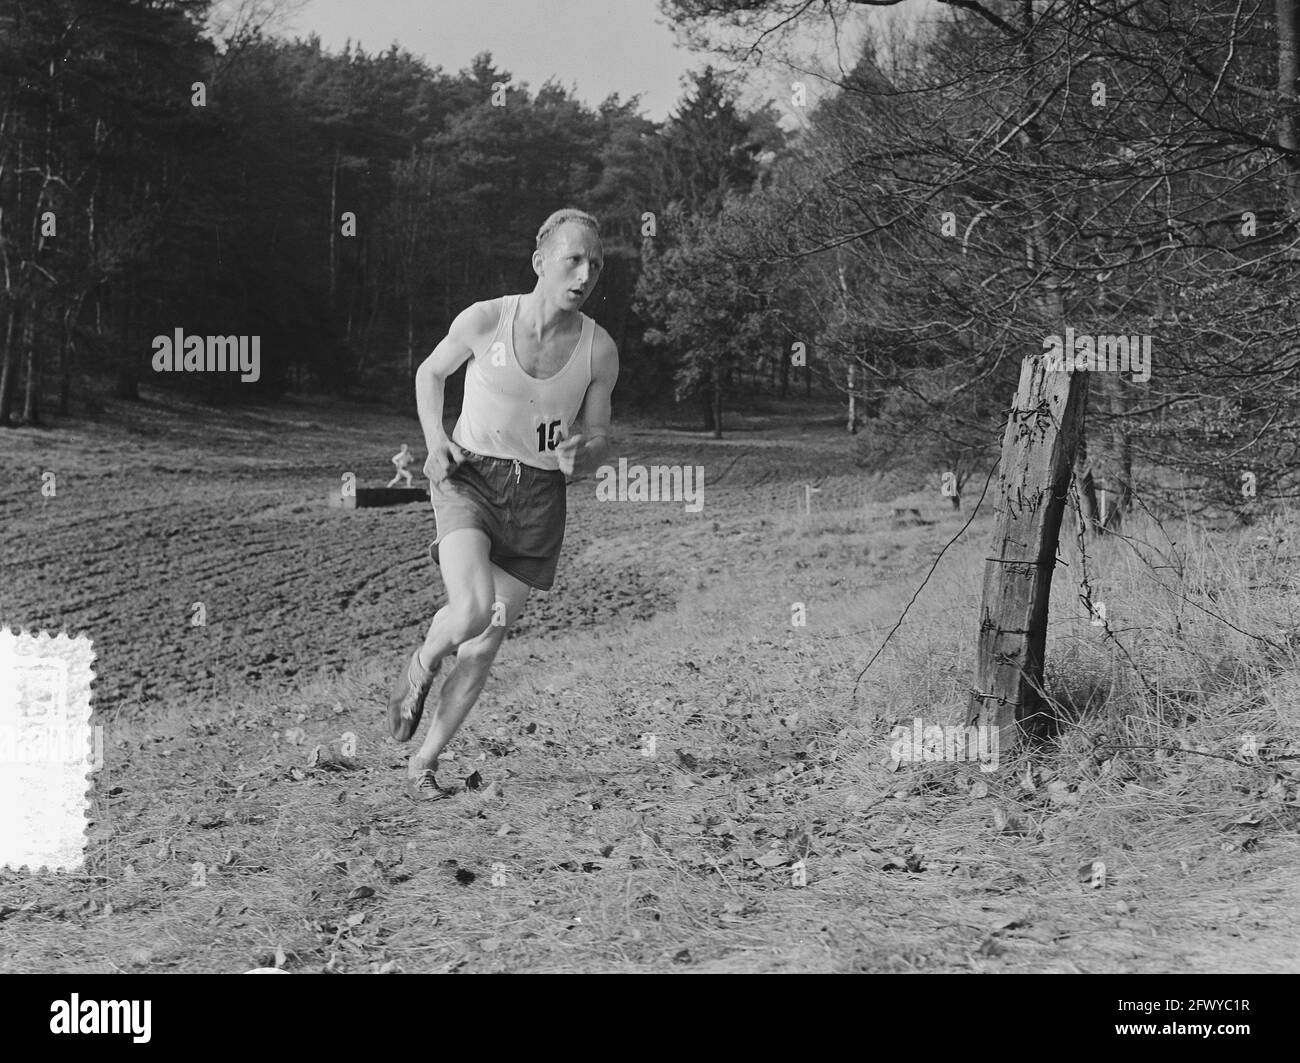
1038	451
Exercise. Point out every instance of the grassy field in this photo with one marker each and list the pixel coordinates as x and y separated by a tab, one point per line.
665	773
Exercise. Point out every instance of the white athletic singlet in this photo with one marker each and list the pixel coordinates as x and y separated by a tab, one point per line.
508	414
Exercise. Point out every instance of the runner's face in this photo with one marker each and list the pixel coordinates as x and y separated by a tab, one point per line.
572	264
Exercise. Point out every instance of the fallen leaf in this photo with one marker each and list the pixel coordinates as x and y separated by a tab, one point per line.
1002	822
1093	873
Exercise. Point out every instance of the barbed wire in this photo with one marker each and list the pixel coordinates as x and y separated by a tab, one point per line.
898	623
1085	583
1178	594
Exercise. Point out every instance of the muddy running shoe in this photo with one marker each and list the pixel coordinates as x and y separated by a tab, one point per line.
406	706
424	787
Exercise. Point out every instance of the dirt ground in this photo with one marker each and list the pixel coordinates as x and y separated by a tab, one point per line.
762	830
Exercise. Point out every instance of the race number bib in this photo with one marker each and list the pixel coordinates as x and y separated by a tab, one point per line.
550	433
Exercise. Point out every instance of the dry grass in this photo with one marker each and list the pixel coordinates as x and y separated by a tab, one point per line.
580	852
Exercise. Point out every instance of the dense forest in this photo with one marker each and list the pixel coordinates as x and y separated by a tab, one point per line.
956	195
342	207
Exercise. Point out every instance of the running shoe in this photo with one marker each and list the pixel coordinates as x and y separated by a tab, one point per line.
424	787
406	706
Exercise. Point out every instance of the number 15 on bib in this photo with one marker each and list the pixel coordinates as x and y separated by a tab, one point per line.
550	433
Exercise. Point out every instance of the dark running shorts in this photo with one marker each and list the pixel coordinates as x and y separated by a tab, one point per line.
522	510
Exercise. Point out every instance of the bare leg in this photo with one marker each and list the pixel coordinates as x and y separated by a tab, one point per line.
474	659
467	575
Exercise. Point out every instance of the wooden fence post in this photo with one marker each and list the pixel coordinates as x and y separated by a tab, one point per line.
1038	451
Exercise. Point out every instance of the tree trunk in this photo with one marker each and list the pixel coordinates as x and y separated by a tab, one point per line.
65	375
1288	88
1121	461
410	338
31	394
125	385
334	226
1087	485
8	367
706	407
853	404
717	409
67	353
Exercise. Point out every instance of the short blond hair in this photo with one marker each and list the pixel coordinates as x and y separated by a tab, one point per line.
557	219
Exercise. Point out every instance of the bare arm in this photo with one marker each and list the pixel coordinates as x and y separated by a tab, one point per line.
430	387
580	455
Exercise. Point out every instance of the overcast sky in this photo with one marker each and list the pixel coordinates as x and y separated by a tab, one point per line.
599	46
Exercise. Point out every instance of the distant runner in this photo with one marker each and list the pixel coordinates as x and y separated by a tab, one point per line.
536	364
402	459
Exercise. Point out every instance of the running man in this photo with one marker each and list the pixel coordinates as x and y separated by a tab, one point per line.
536	365
402	459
